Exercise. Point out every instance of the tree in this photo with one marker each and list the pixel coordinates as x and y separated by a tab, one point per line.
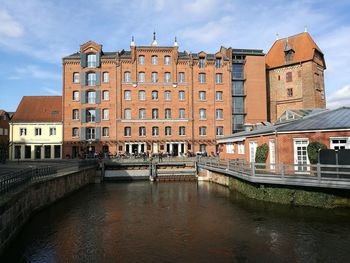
312	151
261	153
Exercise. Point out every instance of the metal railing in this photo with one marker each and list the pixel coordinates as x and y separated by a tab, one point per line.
12	180
318	175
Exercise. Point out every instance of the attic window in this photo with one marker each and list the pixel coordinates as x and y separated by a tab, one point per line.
201	62
289	55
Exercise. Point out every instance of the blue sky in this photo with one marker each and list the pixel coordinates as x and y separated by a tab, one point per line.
36	34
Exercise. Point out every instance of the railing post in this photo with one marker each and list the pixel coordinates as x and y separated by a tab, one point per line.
252	165
228	164
243	166
282	170
319	172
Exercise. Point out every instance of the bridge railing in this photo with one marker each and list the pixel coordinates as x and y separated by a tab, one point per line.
14	179
306	171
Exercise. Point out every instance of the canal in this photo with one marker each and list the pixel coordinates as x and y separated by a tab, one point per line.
179	222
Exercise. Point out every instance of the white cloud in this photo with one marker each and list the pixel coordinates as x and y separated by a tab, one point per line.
9	27
35	72
339	98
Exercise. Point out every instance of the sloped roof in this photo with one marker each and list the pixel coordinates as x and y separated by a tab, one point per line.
302	44
293	114
323	120
39	109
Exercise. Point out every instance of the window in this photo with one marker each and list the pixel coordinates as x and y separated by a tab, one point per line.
127	77
154	60
167	113
181	113
105	114
47	151
105	77
289	56
91	60
203	148
218	62
202	114
105	95
167	95
22	131
252	151
201	63
218	78
154	77
182	130
237	88
300	155
230	148
75	114
182	77
219	114
91	79
142	114
37	131
155	131
17	152
27	152
154	95
127	95
91	97
202	131
105	132
238	104
52	131
141	77
127	114
272	154
237	71
141	60
167	60
238	122
338	143
167	131
201	78
75	132
155	114
142	95
167	77
142	131
219	131
57	151
76	77
91	115
290	92
240	147
218	96
181	95
289	77
76	95
127	131
90	133
202	95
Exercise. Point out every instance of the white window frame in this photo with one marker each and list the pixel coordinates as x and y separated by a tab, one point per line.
127	114
167	95
333	145
167	60
182	96
22	131
52	131
37	131
141	59
104	93
92	79
127	76
91	60
77	133
105	114
155	131
142	77
76	95
127	94
240	146
218	78
105	77
75	116
230	148
252	150
154	60
167	77
143	96
105	132
299	165
76	77
154	77
202	98
219	96
272	154
181	77
202	114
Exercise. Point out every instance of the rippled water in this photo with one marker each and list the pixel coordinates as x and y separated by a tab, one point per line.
179	222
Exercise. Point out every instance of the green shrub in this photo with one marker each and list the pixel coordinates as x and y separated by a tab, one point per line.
312	151
261	153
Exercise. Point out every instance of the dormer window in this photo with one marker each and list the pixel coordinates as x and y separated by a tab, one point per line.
91	60
218	63
289	55
201	62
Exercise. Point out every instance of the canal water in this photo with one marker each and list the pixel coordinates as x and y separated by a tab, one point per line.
179	222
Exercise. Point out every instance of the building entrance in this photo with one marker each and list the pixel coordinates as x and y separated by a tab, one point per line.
37	150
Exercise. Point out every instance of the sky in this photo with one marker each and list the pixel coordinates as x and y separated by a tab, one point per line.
36	34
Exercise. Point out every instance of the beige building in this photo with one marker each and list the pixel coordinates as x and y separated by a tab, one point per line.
36	129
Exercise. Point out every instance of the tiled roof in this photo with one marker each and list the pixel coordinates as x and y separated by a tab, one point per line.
302	44
39	109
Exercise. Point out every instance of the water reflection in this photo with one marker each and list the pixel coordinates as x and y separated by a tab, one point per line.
179	222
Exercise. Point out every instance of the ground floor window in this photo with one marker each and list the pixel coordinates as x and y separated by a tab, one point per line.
272	154
47	151
57	151
230	148
301	159
203	148
17	152
252	151
27	152
338	143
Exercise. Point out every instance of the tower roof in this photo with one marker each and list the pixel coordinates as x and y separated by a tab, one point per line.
302	44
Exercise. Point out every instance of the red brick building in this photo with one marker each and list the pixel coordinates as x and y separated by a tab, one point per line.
295	69
287	142
158	99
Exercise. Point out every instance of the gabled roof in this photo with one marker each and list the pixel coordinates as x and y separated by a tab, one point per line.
294	114
39	109
302	44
